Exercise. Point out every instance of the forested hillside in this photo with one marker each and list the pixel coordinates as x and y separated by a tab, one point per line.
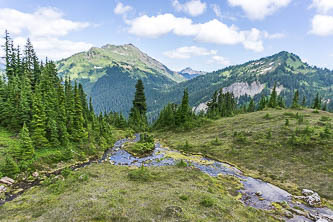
49	117
256	79
104	80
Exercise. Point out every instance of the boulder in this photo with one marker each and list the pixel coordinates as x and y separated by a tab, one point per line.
313	200
173	211
7	180
2	188
259	193
307	192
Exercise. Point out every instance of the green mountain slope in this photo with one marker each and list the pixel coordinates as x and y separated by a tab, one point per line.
109	75
88	67
256	78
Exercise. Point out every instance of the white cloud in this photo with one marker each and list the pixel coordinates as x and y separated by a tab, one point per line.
322	25
54	48
43	22
322	6
219	60
274	36
259	9
213	31
121	9
156	26
217	10
43	27
187	52
193	7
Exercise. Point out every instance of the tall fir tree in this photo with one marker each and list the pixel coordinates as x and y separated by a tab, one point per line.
79	132
273	98
317	102
252	106
184	112
138	113
295	103
27	150
38	122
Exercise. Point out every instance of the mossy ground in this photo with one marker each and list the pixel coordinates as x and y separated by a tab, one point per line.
259	144
102	192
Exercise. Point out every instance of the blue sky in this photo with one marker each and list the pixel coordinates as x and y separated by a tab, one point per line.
202	34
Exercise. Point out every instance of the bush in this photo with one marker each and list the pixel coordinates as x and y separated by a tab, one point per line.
181	164
146	138
300	118
269	134
240	137
183	197
267	116
216	142
66	172
326	134
207	202
10	167
142	148
287	122
325	119
142	174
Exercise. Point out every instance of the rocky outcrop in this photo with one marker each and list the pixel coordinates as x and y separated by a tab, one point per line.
2	188
310	197
238	89
7	180
243	88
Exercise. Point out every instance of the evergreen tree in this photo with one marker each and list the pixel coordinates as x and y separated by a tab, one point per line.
281	102
184	112
10	168
262	103
79	132
137	117
273	98
303	102
324	107
26	145
295	103
252	106
317	102
38	123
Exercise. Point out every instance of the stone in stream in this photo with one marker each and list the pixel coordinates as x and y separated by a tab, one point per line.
321	220
307	192
313	200
2	188
7	180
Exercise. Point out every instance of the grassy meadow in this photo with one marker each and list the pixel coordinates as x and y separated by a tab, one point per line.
290	148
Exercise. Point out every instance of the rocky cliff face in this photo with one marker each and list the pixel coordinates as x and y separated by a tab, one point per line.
238	89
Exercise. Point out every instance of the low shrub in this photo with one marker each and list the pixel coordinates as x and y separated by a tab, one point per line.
207	202
142	174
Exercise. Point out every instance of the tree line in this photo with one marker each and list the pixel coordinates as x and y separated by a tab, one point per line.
46	111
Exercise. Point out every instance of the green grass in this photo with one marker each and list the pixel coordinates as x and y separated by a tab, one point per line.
106	193
8	141
52	158
293	157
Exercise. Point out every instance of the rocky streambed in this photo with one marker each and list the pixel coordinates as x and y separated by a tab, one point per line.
255	192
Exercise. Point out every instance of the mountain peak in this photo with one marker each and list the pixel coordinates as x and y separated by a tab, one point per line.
189	73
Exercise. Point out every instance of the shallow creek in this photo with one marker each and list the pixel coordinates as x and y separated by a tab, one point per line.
268	193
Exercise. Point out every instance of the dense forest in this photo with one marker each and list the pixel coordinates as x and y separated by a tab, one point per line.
47	113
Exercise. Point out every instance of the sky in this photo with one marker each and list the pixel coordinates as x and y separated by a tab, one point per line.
206	35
